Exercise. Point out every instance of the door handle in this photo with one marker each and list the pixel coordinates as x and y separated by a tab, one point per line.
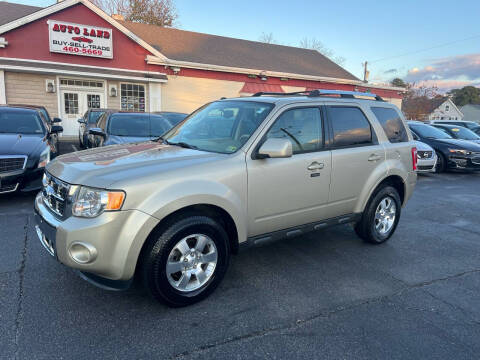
374	157
315	166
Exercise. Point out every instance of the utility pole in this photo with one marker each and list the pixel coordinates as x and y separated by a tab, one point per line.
366	73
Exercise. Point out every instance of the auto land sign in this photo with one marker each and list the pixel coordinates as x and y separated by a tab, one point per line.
76	39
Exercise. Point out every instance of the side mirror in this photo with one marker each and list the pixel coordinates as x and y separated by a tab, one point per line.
56	120
275	148
96	131
81	121
56	129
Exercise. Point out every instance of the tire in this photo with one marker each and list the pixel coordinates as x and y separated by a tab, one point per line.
80	142
369	228
183	287
441	163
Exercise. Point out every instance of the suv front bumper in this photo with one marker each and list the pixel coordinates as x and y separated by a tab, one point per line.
114	238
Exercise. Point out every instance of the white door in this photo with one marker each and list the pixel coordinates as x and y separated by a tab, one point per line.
74	105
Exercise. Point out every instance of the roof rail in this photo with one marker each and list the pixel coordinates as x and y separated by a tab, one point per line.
321	92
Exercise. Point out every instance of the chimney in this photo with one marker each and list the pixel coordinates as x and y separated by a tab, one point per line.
118	17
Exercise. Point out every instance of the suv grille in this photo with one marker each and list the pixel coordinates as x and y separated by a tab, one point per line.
12	163
424	154
54	194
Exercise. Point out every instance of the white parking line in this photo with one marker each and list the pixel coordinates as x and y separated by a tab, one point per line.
74	148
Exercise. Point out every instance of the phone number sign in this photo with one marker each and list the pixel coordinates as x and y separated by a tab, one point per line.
83	40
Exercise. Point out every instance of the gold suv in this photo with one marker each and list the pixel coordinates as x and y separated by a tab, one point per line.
235	173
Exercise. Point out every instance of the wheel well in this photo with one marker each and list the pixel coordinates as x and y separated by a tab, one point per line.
396	182
212	211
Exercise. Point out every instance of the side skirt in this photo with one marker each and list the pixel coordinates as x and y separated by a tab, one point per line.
292	232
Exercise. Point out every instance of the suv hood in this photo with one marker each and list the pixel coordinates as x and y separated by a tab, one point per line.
101	167
18	144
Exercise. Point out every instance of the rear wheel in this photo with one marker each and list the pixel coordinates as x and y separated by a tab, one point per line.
381	216
186	262
441	163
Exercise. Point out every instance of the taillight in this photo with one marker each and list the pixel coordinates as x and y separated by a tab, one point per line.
414	158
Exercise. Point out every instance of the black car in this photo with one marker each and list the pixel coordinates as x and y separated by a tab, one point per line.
50	121
452	154
173	117
126	127
459	132
471	125
88	121
25	148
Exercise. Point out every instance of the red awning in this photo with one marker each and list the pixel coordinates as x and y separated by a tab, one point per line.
252	88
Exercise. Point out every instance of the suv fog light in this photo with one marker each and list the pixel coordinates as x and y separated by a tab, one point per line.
82	253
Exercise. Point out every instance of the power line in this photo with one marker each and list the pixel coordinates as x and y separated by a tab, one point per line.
425	49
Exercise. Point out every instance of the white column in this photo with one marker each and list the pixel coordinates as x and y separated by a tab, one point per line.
3	95
155	96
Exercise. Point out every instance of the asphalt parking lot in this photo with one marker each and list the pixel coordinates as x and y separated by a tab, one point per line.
326	295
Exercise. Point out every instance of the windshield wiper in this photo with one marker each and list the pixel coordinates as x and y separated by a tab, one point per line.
184	145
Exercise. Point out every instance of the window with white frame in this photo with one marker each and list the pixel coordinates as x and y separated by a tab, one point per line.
447	107
132	97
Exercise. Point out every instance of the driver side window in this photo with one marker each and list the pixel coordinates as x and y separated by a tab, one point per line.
302	126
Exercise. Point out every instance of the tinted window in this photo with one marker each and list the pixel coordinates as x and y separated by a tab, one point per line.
94	116
221	126
427	131
45	115
174	118
350	126
159	125
303	127
20	122
392	124
460	132
137	125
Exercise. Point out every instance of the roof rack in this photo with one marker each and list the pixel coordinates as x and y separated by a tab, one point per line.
320	92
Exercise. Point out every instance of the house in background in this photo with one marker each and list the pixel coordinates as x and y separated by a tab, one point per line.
438	108
471	112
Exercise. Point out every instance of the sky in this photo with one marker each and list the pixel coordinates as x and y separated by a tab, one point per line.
426	42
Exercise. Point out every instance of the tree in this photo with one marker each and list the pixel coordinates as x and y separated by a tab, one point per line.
465	95
314	44
267	38
155	12
398	82
419	101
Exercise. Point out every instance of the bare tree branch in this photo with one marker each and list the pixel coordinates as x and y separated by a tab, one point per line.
267	38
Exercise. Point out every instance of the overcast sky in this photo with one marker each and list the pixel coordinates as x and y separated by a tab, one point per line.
357	31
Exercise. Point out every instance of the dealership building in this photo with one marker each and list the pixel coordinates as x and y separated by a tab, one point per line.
72	56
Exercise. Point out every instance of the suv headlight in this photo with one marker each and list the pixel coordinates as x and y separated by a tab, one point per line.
90	202
44	157
460	152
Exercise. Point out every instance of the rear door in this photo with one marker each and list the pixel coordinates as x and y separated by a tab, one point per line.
356	153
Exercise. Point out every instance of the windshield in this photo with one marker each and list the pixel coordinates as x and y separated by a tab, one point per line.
463	133
20	122
428	131
94	115
124	124
222	126
174	118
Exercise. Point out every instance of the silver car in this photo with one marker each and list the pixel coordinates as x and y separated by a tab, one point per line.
426	158
235	173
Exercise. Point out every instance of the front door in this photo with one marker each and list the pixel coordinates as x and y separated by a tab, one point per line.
286	192
74	105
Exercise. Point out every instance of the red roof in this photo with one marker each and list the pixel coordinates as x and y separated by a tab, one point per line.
252	88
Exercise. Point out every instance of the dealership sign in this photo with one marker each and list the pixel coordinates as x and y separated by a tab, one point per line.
84	40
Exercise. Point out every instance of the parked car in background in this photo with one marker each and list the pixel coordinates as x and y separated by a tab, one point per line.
50	122
25	148
173	117
236	173
459	132
472	125
452	154
426	158
116	127
88	121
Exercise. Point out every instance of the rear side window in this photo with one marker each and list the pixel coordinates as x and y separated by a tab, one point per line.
350	126
392	124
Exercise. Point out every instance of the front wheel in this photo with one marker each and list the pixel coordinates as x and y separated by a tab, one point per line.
380	217
441	163
186	262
